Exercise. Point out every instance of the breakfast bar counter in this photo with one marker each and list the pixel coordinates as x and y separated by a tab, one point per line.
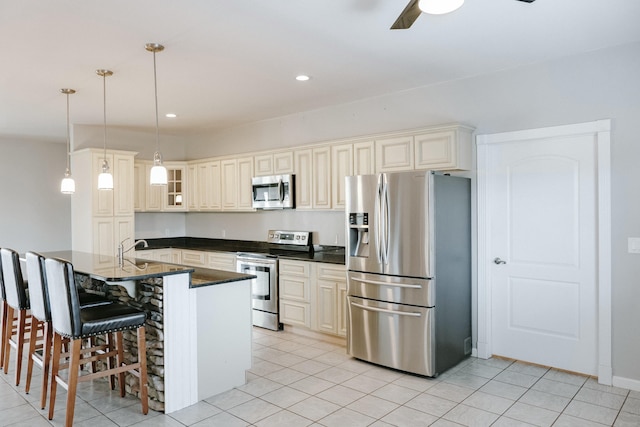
198	323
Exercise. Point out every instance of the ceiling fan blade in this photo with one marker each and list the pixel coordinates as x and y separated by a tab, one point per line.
408	16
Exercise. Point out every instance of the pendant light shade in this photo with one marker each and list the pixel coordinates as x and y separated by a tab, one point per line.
439	7
105	179
68	185
158	175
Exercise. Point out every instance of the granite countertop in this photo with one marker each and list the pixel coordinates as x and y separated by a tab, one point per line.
107	269
321	253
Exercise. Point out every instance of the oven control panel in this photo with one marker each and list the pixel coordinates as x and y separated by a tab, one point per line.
302	238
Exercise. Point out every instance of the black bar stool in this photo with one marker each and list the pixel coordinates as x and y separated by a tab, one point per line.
41	318
3	318
71	321
17	301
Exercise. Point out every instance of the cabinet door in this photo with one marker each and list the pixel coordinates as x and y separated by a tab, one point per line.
209	185
104	244
342	308
321	182
123	229
194	258
295	313
229	184
394	154
283	163
102	199
221	261
341	167
444	150
364	158
264	165
326	314
175	194
123	184
192	193
155	193
139	191
304	173
244	188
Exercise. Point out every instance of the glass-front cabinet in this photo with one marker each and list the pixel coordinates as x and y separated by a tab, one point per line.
175	198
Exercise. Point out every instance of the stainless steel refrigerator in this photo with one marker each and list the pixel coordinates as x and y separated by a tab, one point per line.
409	270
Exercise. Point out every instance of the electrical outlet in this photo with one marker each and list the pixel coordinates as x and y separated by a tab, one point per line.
634	245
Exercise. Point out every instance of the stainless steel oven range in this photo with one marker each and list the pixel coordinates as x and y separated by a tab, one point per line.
263	263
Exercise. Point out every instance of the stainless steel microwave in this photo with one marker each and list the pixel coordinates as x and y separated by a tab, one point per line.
274	192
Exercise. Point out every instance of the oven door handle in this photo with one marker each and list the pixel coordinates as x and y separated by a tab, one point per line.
374	282
384	310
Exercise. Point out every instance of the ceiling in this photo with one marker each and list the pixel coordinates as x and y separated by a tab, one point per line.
229	62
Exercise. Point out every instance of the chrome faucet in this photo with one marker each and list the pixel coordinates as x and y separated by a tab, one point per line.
122	250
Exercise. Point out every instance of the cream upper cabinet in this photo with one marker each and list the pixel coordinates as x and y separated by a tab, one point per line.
448	148
175	193
236	183
304	178
278	163
209	185
139	190
364	158
154	193
394	154
341	167
321	178
244	188
193	202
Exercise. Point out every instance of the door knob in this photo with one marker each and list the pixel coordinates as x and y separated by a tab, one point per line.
499	261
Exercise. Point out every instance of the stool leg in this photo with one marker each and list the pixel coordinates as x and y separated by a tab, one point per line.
55	366
7	338
4	332
142	359
22	318
74	368
33	337
110	360
46	361
120	360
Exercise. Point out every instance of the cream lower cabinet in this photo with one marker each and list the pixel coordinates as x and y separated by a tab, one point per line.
313	295
168	255
225	261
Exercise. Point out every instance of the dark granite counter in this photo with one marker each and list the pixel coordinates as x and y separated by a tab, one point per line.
326	254
106	268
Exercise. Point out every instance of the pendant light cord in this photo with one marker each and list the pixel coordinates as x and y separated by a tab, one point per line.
155	90
104	110
68	140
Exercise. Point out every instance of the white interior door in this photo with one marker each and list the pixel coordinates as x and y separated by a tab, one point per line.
540	250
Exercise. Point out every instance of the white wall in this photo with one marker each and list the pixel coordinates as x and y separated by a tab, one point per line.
597	85
34	215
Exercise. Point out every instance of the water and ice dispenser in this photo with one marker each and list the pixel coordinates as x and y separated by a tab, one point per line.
359	234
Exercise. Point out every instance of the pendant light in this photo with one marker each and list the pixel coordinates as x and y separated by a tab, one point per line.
439	7
68	185
158	175
105	179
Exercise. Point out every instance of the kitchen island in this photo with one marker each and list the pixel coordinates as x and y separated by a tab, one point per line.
198	323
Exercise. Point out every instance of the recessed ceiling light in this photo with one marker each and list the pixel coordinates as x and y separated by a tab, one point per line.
171	115
302	78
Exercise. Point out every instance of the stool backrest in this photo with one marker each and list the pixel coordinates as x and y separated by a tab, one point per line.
38	294
15	293
2	294
63	297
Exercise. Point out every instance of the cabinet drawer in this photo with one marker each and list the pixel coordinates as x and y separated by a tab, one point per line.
194	258
222	261
331	272
294	288
294	268
295	313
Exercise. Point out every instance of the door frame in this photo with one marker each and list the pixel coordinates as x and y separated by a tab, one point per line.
601	131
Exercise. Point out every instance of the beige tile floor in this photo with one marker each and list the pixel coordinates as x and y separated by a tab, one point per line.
300	381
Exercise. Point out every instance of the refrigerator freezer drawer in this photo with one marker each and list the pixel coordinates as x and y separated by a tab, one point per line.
400	290
393	335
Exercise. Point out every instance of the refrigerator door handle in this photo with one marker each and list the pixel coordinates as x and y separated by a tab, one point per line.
384	310
385	207
375	282
378	219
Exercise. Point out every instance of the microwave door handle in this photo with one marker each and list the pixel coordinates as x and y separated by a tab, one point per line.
280	190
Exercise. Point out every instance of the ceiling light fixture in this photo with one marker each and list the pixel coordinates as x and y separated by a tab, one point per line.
105	179
68	185
171	115
439	7
302	78
158	175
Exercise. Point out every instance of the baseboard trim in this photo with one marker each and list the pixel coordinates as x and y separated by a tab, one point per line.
627	383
